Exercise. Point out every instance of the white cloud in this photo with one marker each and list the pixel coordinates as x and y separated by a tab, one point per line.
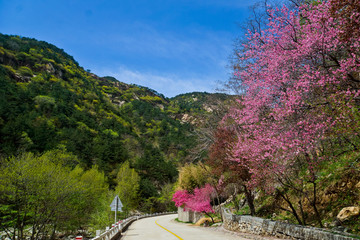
166	61
205	47
169	85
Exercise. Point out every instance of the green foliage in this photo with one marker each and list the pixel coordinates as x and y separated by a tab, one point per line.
152	99
193	176
44	103
152	166
102	216
128	183
45	194
25	71
165	198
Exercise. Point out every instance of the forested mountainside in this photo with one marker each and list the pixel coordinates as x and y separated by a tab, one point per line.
48	102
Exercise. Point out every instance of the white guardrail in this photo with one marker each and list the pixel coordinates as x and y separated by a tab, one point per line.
117	229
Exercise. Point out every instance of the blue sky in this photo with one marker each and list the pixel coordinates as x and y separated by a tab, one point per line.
170	46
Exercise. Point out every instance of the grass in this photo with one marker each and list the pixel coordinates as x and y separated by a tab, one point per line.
177	219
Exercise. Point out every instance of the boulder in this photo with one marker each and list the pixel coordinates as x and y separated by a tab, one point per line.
347	213
204	221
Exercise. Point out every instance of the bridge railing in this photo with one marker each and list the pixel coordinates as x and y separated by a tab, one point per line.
116	230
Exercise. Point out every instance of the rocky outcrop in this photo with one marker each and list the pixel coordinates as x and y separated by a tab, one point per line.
50	68
347	213
186	118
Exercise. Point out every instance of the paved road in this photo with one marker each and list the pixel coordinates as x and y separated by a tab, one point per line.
166	228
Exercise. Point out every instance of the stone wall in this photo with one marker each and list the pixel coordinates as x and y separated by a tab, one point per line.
188	216
266	227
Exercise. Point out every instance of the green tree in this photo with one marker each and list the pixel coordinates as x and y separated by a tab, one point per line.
93	189
128	183
193	176
45	103
41	194
165	199
34	193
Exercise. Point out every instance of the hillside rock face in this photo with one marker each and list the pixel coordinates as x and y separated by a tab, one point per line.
200	108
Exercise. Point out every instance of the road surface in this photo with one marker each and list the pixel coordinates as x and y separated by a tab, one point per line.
166	228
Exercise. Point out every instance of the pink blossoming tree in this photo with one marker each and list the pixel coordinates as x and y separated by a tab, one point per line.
301	82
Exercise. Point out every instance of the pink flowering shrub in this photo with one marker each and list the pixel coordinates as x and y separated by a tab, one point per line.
181	197
199	201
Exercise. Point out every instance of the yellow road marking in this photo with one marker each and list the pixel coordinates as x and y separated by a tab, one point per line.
168	231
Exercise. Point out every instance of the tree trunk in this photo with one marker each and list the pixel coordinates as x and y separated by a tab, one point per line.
293	210
53	233
313	203
313	181
302	211
250	200
212	219
218	199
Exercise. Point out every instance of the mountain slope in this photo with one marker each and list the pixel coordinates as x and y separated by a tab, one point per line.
47	101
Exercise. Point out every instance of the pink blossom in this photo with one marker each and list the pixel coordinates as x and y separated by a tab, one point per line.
199	201
298	81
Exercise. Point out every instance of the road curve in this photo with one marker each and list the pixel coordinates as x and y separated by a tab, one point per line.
166	228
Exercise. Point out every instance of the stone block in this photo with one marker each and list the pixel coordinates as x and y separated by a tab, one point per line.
269	226
255	221
289	229
185	216
297	232
196	216
280	227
